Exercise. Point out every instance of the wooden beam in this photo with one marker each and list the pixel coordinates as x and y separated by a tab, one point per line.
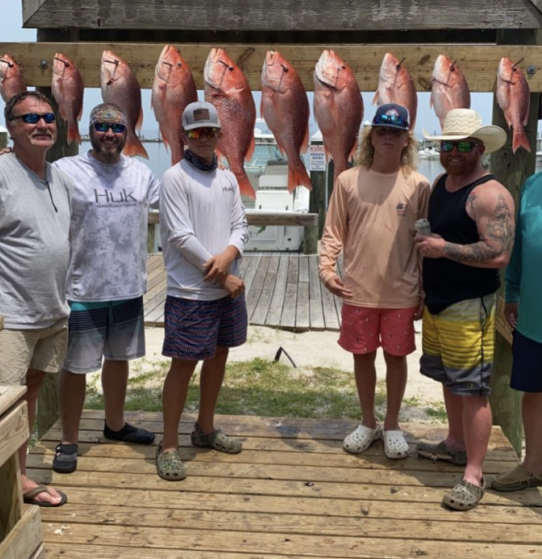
478	63
537	4
280	15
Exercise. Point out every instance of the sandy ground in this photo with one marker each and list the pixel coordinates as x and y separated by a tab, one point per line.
307	349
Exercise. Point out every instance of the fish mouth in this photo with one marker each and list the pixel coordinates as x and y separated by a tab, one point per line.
325	70
215	68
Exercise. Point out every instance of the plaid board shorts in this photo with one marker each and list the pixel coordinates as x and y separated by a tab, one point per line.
459	346
111	329
194	329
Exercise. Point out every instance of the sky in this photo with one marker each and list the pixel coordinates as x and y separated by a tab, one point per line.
11	31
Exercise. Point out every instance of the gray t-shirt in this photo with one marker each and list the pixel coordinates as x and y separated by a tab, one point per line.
34	244
108	260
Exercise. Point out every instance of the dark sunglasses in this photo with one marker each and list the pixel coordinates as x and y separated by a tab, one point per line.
395	120
34	118
462	147
197	133
105	126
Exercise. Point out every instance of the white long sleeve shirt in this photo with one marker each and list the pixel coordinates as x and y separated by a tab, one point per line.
201	214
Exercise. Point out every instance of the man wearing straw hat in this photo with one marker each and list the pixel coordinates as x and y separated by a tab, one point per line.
472	222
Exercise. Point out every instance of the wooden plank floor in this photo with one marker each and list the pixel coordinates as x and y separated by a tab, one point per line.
282	291
293	493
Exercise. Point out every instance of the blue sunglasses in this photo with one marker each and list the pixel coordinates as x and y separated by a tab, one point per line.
394	120
34	118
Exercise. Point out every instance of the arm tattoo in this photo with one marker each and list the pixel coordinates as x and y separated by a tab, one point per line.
496	240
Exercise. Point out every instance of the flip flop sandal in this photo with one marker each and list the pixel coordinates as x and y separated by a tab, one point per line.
217	440
129	434
442	452
464	496
30	497
395	445
169	465
361	438
515	480
65	460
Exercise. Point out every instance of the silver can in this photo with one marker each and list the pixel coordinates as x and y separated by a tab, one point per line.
422	227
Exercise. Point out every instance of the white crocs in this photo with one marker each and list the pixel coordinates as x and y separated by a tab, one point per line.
395	445
361	439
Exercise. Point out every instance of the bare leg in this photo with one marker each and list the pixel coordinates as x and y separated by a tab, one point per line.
72	390
365	371
114	383
173	399
477	423
454	408
34	380
212	377
532	422
396	379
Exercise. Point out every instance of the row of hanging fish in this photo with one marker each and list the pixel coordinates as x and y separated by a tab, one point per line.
338	104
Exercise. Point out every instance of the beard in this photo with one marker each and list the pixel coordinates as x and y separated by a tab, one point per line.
107	151
465	167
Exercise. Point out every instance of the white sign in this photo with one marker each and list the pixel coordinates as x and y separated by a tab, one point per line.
318	158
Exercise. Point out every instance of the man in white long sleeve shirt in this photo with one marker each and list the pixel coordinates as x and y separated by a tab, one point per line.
204	230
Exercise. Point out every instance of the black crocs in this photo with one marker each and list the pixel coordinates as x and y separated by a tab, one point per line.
65	460
129	434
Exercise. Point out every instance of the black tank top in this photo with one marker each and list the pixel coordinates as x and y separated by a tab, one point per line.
447	282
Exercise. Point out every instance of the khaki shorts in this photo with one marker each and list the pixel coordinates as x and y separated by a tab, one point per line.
42	349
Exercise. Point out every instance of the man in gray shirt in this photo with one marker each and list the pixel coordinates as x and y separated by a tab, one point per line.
34	254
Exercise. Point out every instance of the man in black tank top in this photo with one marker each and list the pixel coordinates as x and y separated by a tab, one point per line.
472	233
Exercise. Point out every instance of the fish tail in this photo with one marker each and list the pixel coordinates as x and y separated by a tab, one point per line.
338	168
73	133
134	147
520	140
298	177
245	185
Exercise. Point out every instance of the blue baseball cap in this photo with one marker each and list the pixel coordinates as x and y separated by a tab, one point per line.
392	116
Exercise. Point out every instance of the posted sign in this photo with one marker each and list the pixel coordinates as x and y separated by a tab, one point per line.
318	158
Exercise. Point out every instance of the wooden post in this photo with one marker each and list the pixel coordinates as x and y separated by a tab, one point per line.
511	170
48	408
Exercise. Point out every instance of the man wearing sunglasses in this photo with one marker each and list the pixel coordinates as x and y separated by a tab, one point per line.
204	230
472	222
371	216
107	278
34	252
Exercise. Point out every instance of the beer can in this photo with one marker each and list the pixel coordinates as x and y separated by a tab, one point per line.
422	227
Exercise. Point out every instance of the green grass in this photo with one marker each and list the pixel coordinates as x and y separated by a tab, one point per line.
437	411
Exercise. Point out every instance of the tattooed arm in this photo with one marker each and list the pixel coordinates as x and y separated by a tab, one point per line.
492	208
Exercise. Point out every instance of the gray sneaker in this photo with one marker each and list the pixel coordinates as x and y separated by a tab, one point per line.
441	452
217	440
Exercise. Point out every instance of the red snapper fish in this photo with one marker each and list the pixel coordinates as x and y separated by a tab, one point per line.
120	86
285	108
513	97
226	87
11	78
68	88
338	108
395	85
449	89
173	89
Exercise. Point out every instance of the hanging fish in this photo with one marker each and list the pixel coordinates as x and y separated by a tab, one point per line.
338	108
395	85
449	89
173	89
120	86
226	87
513	97
285	108
11	78
67	88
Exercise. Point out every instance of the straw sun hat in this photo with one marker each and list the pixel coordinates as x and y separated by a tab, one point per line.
461	124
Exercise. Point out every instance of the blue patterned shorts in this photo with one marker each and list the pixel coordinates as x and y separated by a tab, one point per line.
194	329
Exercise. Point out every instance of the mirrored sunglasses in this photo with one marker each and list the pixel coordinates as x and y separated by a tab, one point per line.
394	120
197	133
105	126
34	118
462	146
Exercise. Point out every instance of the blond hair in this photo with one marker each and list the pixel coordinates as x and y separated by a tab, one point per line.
365	152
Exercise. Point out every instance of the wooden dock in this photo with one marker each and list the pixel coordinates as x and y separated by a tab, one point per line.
293	493
282	291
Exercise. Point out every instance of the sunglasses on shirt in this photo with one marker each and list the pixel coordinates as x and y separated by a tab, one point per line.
462	147
197	133
394	120
105	126
34	118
